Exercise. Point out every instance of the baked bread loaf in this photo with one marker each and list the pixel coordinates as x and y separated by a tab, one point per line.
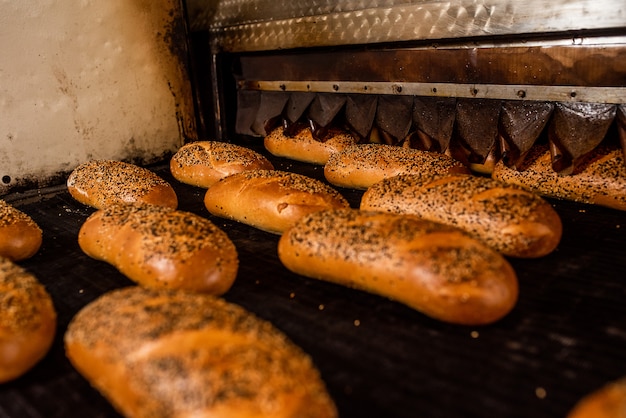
165	354
161	247
270	200
433	268
100	183
202	163
360	166
302	146
20	236
27	323
600	180
511	220
608	401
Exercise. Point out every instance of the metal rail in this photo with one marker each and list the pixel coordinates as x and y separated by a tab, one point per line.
614	95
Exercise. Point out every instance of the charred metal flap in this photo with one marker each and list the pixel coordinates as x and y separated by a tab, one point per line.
325	107
434	119
621	127
270	111
297	105
394	115
472	130
521	123
248	103
477	126
360	113
575	130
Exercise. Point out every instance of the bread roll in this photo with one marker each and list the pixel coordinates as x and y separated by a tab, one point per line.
608	401
270	200
601	179
360	166
507	218
20	236
161	247
100	183
27	323
202	163
164	354
303	147
433	268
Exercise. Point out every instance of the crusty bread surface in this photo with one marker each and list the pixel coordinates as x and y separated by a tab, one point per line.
28	321
270	200
171	354
509	219
161	247
599	180
608	401
436	269
202	163
360	166
100	183
302	146
20	236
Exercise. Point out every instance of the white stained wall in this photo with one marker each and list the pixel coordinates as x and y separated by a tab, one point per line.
87	79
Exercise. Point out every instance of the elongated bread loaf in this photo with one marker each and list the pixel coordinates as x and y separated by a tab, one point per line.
434	268
203	163
270	200
164	354
360	166
303	147
28	321
507	218
100	183
601	179
609	401
161	247
20	236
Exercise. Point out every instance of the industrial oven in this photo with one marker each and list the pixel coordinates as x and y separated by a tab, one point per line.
480	80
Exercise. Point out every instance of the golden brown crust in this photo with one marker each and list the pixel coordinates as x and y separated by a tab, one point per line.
601	179
161	247
27	323
608	401
433	268
176	354
507	218
270	200
360	166
100	183
202	163
20	236
303	147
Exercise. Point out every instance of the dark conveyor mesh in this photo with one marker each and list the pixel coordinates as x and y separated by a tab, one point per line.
566	336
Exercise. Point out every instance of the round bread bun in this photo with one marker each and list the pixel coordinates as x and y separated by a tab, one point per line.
360	166
100	183
20	236
304	147
511	220
203	163
433	268
160	247
609	401
165	354
27	323
270	200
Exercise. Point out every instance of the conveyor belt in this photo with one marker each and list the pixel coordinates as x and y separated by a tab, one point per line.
566	336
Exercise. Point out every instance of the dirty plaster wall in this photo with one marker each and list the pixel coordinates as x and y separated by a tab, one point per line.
86	79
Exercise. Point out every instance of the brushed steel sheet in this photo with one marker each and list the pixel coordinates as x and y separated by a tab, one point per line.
258	25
